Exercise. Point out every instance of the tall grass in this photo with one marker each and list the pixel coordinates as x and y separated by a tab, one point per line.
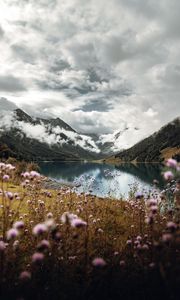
61	245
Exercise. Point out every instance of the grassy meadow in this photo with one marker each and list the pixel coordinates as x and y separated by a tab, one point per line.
56	244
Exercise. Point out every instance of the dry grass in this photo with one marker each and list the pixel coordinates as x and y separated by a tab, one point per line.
126	235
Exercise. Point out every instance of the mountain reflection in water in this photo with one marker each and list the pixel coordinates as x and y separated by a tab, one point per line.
103	179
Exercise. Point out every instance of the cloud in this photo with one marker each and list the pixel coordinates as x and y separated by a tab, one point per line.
6	105
42	132
94	65
9	83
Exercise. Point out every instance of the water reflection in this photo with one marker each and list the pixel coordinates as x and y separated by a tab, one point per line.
103	179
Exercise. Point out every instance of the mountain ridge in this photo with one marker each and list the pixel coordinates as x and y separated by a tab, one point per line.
35	138
159	146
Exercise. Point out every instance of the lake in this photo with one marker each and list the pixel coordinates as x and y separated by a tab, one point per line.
104	180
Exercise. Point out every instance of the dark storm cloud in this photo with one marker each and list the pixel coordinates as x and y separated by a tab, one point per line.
10	83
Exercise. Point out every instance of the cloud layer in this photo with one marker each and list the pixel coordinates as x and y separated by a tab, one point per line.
97	65
42	131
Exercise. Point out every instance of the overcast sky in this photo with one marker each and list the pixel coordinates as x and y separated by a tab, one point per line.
95	64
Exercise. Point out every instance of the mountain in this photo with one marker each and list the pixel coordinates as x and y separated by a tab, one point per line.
161	145
24	137
119	140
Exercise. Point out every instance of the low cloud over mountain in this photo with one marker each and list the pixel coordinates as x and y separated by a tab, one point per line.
95	64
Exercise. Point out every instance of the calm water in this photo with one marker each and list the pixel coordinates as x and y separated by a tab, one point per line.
103	179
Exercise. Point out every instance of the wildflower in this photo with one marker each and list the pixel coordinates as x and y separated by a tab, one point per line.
139	247
50	224
2	166
49	215
152	265
2	246
68	217
72	257
167	237
57	237
154	209
145	247
15	245
39	229
34	174
172	226
100	230
98	262
168	175
37	257
43	245
149	220
6	178
78	223
122	263
129	242
172	163
139	195
26	174
152	202
139	238
18	225
9	195
10	167
25	276
12	233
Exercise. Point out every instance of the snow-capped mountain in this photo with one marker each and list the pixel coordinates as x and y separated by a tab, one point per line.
53	139
119	140
161	145
45	139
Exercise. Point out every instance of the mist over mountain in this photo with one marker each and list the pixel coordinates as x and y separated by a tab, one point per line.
51	138
163	144
34	138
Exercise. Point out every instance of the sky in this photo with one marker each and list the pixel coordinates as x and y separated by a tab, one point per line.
98	65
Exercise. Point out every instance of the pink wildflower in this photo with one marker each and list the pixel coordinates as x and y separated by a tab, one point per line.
12	233
122	263
26	174
98	262
168	175
43	245
167	237
2	246
172	163
129	242
39	229
172	226
9	195
78	223
18	225
37	257
25	276
34	174
6	178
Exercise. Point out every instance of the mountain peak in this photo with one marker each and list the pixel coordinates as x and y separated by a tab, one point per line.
22	116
